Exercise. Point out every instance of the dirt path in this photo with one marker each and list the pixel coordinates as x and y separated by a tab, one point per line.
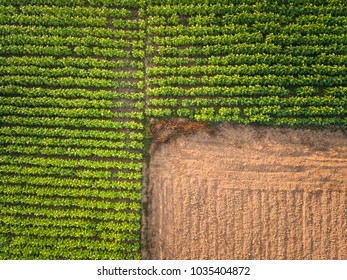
249	193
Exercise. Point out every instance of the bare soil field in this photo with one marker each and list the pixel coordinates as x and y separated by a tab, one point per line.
248	193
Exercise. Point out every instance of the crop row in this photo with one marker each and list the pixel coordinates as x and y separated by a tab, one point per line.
87	213
66	172
49	191
248	14
192	40
69	173
52	20
251	70
70	163
26	246
58	142
17	110
19	91
254	91
67	82
63	20
70	122
250	38
163	30
250	91
68	232
89	41
246	59
250	101
97	205
73	183
296	116
70	152
69	72
72	11
77	62
45	181
275	111
80	3
57	102
239	80
78	224
250	49
69	132
60	51
69	31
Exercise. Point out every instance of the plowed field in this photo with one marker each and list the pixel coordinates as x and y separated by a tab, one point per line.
249	193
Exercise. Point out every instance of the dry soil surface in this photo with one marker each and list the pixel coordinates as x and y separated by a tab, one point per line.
249	193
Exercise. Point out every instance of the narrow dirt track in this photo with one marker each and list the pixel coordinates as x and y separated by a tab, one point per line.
249	193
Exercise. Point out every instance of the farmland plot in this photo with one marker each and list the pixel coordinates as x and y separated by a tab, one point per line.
249	193
248	61
71	129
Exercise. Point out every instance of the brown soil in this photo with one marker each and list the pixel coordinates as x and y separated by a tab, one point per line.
248	193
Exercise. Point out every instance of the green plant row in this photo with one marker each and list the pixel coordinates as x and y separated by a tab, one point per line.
35	50
69	93
67	192
74	113
250	38
79	3
310	117
97	32
68	82
56	201
192	40
36	247
61	11
70	164
238	80
69	72
70	212
73	183
54	20
58	142
84	123
68	172
65	51
257	10
250	49
298	39
246	59
158	27
250	70
70	232
251	91
68	132
50	103
88	41
77	62
336	103
70	152
254	91
274	112
56	102
196	30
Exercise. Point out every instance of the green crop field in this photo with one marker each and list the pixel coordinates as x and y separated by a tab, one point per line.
80	79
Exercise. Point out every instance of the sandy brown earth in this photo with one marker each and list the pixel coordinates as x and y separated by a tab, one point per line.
249	193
